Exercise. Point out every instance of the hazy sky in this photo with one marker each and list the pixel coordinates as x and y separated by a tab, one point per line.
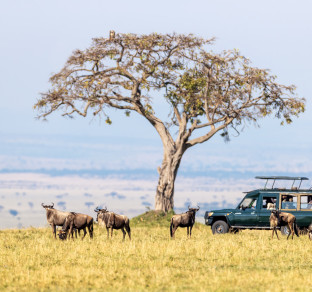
37	37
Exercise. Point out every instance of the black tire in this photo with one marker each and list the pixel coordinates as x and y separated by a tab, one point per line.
220	227
285	230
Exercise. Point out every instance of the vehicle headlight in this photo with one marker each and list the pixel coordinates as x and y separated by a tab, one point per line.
210	214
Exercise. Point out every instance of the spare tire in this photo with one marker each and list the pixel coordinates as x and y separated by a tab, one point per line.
285	230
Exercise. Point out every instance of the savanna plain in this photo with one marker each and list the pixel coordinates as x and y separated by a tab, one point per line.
32	260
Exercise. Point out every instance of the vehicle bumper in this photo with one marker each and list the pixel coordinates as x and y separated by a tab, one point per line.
208	221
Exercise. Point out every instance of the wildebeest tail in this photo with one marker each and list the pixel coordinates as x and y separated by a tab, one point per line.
296	228
171	224
127	225
128	229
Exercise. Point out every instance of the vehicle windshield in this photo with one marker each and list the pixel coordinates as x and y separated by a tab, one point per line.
248	203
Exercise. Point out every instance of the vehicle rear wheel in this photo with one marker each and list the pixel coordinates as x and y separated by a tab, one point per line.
220	227
285	230
303	231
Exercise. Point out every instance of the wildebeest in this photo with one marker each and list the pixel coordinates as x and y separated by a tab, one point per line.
80	222
113	221
186	219
55	217
310	231
279	219
99	218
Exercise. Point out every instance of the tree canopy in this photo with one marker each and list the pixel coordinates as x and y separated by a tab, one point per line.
205	91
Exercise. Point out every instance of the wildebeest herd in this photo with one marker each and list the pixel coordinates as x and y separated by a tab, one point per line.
75	222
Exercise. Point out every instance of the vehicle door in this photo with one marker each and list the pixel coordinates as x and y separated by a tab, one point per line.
268	202
299	205
246	214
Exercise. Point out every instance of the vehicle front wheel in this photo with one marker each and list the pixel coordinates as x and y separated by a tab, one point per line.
220	227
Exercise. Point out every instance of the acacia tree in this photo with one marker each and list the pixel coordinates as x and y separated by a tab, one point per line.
206	92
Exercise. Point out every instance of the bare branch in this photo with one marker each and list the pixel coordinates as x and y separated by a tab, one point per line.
203	89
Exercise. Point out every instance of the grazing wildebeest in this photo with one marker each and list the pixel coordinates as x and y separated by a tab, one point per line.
62	235
113	221
279	219
55	217
310	231
186	219
80	222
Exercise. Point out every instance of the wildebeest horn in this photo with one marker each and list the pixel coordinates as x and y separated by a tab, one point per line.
97	209
52	205
198	207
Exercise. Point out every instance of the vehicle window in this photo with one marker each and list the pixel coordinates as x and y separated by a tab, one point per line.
306	202
289	201
269	203
249	203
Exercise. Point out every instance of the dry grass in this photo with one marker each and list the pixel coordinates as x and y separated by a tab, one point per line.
31	260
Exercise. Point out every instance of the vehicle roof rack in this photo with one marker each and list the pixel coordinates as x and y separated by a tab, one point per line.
274	178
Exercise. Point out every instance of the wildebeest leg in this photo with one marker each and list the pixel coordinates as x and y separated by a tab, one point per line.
290	229
76	233
111	232
188	231
291	226
91	230
54	230
84	233
191	231
173	231
124	234
276	232
107	229
70	232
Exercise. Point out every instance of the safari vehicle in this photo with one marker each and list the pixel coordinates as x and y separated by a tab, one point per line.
254	211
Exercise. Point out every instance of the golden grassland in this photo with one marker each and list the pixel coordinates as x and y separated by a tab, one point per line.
32	260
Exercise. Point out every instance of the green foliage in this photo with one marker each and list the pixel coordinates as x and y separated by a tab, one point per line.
108	121
153	219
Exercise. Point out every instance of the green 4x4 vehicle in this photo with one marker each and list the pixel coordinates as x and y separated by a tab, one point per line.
254	211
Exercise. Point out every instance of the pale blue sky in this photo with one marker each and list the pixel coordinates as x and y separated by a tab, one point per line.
38	36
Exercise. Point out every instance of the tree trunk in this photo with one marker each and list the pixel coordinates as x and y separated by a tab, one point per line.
167	175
